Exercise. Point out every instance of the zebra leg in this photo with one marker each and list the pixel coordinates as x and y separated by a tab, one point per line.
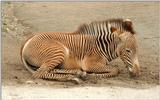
96	64
47	71
61	77
79	73
55	74
102	71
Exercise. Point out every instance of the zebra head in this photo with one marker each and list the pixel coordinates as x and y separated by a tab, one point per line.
129	54
128	48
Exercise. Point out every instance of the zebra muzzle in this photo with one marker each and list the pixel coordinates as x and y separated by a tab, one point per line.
134	71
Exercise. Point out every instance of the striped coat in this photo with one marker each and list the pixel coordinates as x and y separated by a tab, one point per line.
89	49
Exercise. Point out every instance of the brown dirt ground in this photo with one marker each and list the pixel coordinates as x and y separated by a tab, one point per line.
21	19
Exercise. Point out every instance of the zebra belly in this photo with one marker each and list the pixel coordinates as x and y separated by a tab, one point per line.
71	62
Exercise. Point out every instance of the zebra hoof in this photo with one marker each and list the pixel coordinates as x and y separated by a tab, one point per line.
76	81
84	76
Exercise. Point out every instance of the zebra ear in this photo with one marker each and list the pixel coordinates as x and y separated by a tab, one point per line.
113	29
127	24
82	27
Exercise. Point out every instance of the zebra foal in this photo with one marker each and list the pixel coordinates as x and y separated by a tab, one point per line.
90	49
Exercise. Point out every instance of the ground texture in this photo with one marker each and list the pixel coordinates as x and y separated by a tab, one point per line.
23	19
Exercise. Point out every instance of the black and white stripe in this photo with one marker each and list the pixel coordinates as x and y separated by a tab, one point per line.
106	40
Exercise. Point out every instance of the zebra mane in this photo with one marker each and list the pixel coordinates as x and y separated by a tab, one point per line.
120	24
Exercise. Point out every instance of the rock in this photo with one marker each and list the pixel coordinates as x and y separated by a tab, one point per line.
29	82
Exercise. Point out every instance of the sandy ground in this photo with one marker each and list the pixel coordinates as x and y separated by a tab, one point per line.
23	19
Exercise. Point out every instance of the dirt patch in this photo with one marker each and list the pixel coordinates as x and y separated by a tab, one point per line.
21	19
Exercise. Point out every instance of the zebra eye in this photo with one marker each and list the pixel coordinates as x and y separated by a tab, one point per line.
127	50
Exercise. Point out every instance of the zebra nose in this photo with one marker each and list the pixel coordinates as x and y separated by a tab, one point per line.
134	71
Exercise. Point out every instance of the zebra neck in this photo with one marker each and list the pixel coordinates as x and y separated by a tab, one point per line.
107	46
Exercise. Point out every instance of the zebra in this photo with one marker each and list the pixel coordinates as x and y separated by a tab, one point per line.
90	49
